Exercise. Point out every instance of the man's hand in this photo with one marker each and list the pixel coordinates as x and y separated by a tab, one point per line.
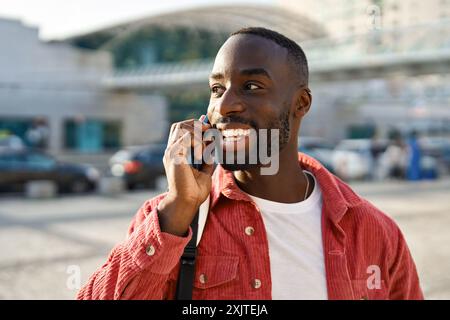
188	187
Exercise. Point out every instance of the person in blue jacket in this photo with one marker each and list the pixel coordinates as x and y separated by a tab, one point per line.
414	155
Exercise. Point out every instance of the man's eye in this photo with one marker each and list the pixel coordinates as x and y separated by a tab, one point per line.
216	90
252	86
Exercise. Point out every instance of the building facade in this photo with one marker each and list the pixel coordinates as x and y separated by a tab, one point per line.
348	17
59	86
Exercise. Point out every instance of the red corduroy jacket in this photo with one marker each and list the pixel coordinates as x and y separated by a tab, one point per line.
358	240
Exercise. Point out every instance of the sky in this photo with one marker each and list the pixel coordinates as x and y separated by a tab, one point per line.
58	19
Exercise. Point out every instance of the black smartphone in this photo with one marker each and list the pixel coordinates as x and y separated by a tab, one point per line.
198	166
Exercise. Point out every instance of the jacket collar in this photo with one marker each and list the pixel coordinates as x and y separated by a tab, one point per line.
337	196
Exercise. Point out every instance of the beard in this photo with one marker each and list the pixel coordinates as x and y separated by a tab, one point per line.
281	123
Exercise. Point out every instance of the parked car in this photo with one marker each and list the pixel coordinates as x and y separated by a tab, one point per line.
11	142
318	148
439	149
17	167
353	158
139	165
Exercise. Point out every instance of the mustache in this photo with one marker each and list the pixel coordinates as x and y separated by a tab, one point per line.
237	119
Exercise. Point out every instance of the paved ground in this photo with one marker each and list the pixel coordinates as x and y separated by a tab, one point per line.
43	239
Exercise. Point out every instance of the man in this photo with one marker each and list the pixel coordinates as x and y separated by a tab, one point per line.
300	233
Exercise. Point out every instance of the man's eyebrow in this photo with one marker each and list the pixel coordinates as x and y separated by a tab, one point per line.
216	76
255	72
245	72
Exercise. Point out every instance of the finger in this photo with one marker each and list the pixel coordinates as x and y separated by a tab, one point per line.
194	129
186	122
191	128
191	125
179	149
177	124
175	135
198	145
180	128
179	132
186	139
172	128
189	140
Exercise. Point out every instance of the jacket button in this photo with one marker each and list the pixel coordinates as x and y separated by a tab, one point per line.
256	283
150	250
202	278
249	231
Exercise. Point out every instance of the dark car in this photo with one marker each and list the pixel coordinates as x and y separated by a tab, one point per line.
139	165
17	167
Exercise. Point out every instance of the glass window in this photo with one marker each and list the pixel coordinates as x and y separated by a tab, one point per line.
16	127
40	161
111	134
91	135
12	161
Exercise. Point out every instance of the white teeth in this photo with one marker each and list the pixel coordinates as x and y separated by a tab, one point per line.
232	138
235	132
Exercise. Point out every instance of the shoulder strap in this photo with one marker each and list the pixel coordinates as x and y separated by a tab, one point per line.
187	262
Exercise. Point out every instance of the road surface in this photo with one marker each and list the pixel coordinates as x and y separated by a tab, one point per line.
46	242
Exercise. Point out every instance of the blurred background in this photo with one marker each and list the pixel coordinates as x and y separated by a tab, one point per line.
88	91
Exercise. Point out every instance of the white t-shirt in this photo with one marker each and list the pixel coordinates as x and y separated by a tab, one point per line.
294	232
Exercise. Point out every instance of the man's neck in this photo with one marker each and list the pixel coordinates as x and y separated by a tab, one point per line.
288	185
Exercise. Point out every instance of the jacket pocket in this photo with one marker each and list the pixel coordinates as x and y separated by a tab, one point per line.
216	277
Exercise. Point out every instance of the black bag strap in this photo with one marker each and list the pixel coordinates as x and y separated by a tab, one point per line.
187	265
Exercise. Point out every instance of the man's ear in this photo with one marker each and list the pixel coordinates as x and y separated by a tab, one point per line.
303	102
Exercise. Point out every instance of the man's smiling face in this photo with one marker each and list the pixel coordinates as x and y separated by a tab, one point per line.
252	86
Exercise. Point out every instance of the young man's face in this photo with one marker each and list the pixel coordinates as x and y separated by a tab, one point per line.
252	86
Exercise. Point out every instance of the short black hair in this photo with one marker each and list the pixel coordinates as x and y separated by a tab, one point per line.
296	53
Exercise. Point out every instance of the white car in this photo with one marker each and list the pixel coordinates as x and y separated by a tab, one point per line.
352	159
11	142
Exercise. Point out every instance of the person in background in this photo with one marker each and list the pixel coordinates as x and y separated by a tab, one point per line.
37	135
413	172
396	156
376	153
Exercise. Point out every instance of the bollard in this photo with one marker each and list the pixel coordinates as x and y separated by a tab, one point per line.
40	189
110	185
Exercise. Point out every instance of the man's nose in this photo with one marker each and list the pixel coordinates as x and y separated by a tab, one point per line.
229	103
